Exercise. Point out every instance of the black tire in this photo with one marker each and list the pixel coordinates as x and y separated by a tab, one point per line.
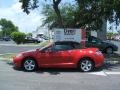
85	68
109	50
29	64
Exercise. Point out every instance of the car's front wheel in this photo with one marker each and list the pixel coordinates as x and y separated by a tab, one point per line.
86	65
29	64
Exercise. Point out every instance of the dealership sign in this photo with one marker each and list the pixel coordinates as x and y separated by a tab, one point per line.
68	34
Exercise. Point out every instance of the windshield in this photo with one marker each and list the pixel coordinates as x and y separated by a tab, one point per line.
46	46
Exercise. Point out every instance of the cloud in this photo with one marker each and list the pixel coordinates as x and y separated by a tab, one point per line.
26	23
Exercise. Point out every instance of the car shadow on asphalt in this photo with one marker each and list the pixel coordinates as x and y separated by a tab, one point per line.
106	66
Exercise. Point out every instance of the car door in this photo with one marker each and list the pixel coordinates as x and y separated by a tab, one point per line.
54	56
45	57
61	55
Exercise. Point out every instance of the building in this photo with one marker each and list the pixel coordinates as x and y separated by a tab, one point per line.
40	31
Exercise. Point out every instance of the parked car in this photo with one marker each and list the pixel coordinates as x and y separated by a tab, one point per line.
104	46
1	39
31	40
60	55
6	38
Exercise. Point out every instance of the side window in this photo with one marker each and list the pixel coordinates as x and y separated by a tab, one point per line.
46	49
92	40
77	46
62	47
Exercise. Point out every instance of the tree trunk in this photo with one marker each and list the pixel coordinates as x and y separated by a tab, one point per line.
57	11
102	33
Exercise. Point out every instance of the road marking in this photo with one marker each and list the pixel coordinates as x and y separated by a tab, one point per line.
113	73
103	73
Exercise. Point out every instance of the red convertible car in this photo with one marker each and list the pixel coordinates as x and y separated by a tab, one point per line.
60	55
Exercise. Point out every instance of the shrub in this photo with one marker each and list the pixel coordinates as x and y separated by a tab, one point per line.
18	37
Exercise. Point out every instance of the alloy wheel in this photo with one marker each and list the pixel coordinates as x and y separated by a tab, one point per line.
29	65
86	65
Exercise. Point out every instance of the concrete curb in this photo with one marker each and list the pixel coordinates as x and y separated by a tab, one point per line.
7	53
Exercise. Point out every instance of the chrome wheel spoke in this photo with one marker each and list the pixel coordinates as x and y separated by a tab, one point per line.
83	64
29	65
86	65
89	65
87	68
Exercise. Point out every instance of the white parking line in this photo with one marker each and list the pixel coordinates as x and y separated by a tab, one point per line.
113	73
103	73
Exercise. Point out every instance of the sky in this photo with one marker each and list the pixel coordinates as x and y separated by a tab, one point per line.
11	10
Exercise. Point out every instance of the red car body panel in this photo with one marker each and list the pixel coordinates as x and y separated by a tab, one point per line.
60	59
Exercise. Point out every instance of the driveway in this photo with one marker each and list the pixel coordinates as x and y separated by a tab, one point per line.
106	78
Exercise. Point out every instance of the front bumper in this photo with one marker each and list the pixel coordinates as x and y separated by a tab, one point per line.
17	62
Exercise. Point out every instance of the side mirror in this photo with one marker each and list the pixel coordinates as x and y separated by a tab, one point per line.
37	50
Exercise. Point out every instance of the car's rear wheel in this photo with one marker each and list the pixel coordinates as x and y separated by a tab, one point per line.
86	65
29	64
109	50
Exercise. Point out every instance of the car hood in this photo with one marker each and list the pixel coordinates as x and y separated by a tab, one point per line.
29	51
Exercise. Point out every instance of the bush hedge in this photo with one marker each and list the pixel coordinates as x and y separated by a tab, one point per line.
18	37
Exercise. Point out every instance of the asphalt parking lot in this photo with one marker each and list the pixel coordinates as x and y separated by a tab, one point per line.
104	78
11	47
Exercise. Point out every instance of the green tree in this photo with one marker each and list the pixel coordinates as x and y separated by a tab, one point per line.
0	33
18	37
67	13
29	34
7	27
28	5
90	13
109	35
